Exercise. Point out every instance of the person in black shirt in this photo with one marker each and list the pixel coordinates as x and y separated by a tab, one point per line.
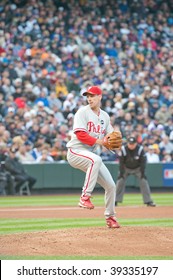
7	183
17	170
132	161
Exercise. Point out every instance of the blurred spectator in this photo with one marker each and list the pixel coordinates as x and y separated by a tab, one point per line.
36	151
167	157
166	145
151	155
42	98
7	183
126	47
69	102
107	156
16	169
60	88
45	156
162	115
57	151
54	101
23	155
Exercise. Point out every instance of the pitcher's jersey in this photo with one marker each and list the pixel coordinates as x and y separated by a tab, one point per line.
96	126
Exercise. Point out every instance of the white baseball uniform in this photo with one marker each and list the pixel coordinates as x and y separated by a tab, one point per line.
85	157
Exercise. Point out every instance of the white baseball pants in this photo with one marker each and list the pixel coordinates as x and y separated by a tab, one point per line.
96	172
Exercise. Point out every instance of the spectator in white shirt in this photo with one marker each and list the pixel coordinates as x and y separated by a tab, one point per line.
166	145
23	155
45	157
152	156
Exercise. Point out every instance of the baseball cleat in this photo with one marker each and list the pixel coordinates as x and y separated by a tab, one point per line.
112	223
151	204
85	202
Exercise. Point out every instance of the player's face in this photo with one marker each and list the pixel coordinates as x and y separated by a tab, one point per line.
132	146
94	100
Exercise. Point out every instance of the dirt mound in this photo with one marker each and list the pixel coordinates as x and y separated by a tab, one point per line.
100	241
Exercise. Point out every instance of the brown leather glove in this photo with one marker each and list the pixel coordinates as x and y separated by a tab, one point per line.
113	140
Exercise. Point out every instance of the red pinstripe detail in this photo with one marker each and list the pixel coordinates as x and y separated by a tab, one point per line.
90	169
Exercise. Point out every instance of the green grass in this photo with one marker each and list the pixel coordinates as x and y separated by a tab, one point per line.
162	199
10	226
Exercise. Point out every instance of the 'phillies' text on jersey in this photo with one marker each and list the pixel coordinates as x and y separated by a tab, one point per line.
95	128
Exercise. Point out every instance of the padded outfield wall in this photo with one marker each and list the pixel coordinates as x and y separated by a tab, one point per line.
62	175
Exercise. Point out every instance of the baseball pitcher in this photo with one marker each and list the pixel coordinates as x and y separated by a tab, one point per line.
91	130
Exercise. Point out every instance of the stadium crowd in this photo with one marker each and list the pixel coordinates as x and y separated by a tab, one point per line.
51	50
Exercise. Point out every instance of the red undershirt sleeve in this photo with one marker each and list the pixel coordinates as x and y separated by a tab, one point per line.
85	138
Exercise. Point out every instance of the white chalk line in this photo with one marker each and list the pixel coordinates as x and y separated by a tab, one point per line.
60	208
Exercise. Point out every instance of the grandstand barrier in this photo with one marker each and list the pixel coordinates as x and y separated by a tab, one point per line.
62	176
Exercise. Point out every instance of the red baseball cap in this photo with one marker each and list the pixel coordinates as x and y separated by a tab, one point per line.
93	90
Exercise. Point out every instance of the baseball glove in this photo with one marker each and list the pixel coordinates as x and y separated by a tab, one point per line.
113	140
